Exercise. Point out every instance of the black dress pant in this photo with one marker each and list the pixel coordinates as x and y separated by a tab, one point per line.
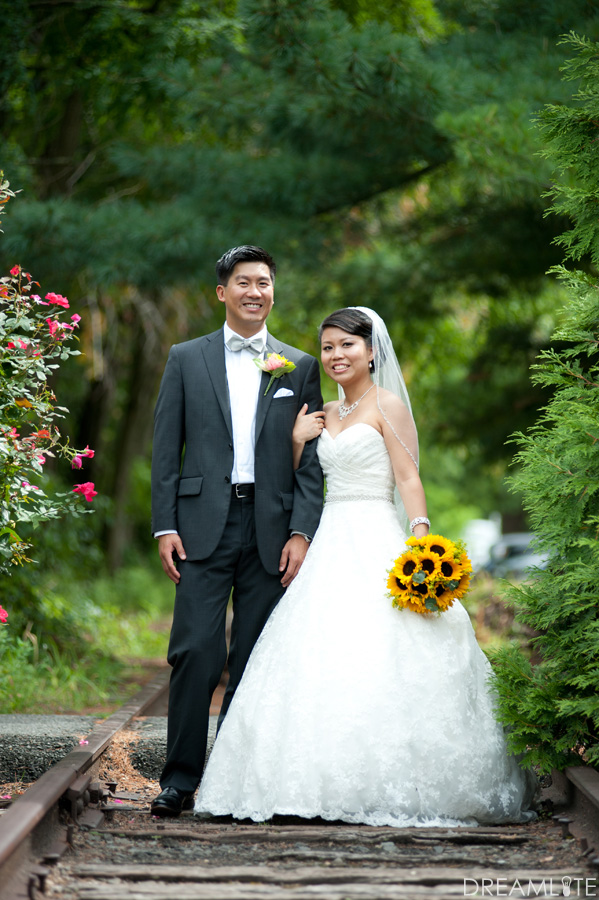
197	649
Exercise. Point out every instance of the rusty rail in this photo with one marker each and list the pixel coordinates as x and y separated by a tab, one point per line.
28	811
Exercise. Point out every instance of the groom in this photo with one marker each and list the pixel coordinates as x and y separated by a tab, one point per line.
228	509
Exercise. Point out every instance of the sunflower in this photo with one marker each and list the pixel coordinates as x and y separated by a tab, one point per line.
436	543
395	586
406	566
451	569
430	564
422	590
416	604
444	597
462	587
464	561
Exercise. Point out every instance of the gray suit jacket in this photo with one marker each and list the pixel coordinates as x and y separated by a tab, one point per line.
192	454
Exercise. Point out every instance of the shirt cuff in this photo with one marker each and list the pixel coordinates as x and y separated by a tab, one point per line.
306	537
158	534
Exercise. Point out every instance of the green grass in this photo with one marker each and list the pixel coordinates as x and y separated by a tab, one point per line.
94	643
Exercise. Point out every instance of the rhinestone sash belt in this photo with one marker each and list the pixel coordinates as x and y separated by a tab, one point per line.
338	498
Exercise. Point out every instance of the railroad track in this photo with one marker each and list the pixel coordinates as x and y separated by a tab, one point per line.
71	836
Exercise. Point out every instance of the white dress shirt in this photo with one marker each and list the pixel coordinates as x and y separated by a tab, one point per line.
243	377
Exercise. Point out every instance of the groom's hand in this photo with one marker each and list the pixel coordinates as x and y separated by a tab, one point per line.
292	557
168	545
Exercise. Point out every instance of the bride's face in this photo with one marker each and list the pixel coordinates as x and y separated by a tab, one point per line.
344	356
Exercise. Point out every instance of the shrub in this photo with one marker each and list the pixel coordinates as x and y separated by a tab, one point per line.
550	701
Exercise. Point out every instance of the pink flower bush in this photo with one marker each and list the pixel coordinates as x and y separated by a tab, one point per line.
34	342
77	460
58	299
87	489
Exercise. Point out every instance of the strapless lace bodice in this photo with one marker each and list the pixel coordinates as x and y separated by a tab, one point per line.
356	463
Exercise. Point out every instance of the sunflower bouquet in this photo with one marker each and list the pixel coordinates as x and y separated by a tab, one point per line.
430	575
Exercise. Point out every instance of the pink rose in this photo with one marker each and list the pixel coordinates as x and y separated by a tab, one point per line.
39	300
11	346
75	319
3	615
15	270
77	462
87	489
53	326
58	299
273	363
87	452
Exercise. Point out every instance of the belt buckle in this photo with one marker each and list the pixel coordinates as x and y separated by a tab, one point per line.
237	494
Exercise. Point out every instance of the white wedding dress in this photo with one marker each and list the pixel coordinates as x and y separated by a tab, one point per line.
350	709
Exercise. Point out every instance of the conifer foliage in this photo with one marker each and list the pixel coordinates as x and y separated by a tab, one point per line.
551	702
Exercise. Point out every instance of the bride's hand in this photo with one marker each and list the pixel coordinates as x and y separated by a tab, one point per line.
307	427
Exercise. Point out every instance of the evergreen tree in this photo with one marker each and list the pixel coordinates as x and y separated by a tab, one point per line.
551	701
382	151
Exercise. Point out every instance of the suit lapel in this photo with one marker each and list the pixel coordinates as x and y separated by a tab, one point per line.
272	346
214	355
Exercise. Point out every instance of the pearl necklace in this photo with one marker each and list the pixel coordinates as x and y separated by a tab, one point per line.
346	410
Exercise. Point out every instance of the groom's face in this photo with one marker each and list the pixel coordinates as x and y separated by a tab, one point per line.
248	297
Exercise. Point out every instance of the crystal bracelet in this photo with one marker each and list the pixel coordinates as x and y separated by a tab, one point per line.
420	520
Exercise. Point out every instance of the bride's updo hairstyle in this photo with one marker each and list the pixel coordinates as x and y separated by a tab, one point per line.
350	320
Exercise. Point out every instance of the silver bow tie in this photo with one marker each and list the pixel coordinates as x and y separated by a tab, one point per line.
235	343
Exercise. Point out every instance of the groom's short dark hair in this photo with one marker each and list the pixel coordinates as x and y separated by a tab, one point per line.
245	253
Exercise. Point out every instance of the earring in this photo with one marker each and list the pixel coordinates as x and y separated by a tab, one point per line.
371	366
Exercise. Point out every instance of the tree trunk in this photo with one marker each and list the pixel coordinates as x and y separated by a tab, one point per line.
135	434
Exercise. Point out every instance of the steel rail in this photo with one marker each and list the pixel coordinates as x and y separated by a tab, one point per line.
28	811
580	818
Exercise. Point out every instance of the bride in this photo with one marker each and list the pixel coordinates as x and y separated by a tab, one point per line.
350	709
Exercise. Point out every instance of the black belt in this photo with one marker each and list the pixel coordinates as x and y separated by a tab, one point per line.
243	491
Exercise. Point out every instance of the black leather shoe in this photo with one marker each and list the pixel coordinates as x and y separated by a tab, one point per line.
171	801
